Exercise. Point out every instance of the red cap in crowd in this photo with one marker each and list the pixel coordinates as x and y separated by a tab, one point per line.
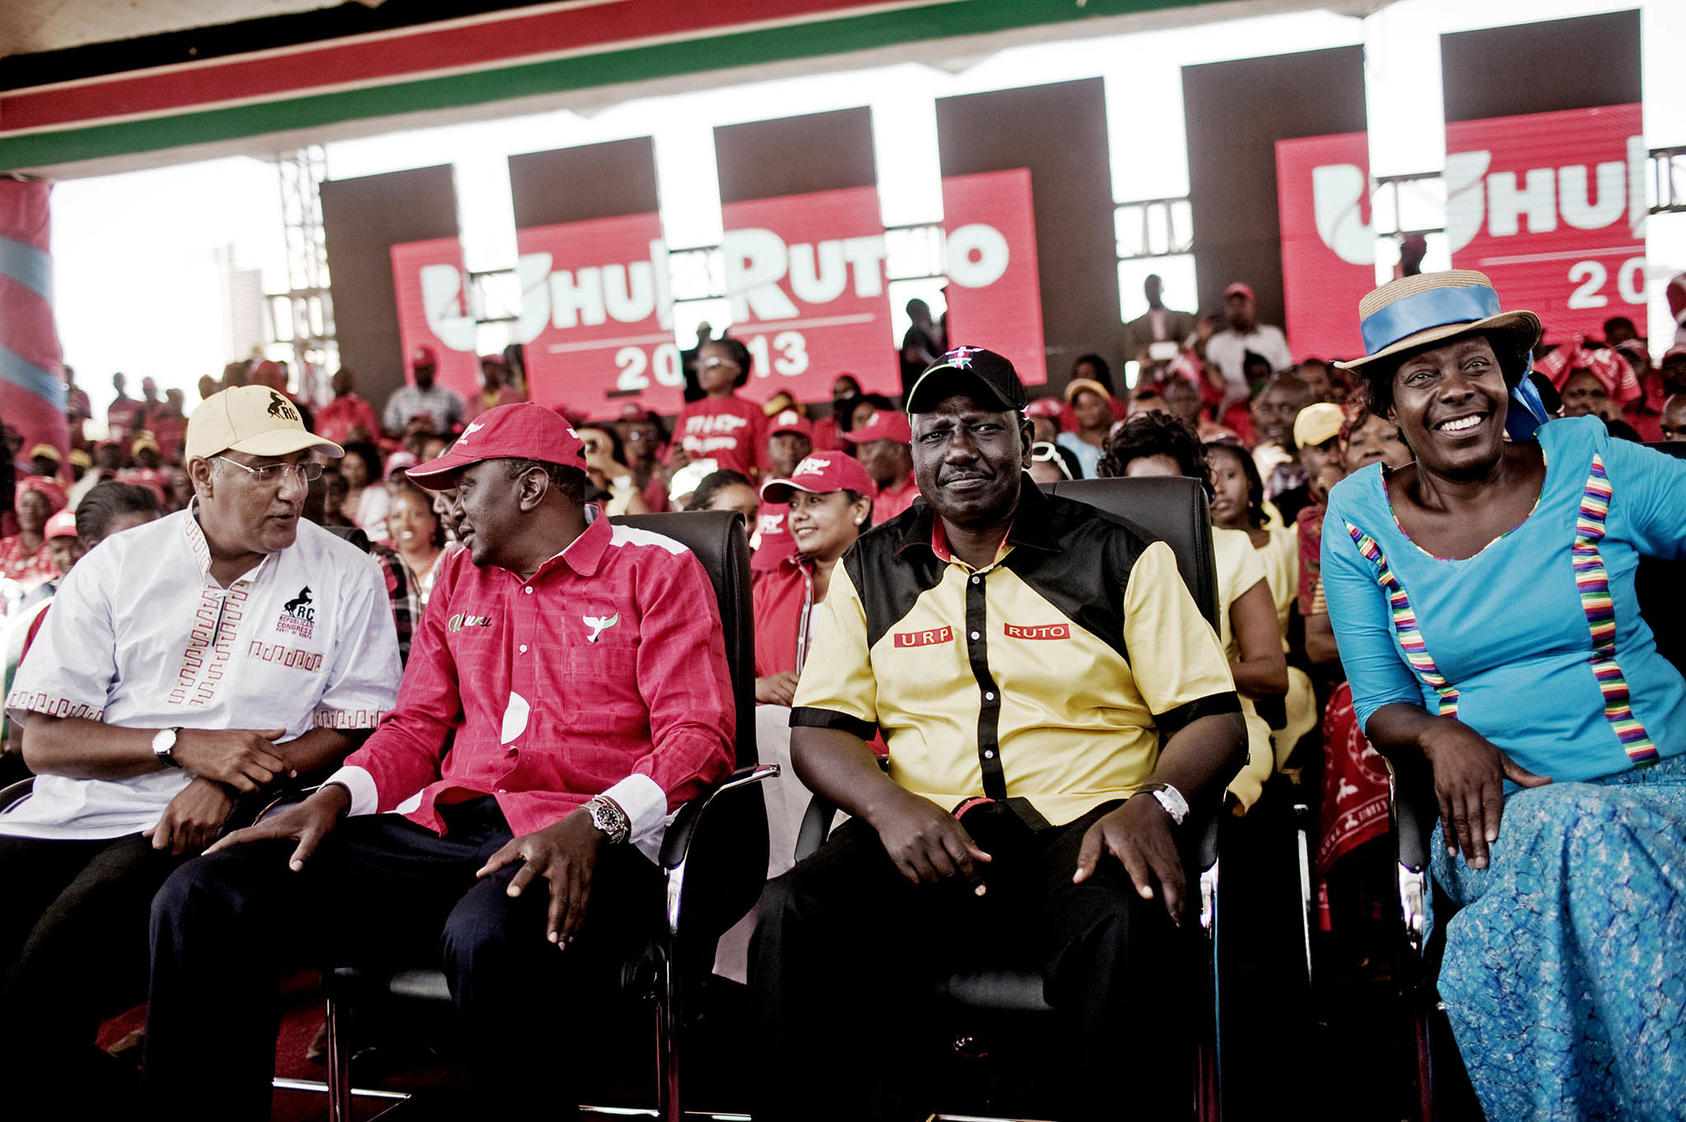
792	421
61	525
820	474
424	356
1044	407
886	424
510	432
1239	289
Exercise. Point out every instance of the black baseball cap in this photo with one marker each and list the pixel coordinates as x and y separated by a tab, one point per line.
984	374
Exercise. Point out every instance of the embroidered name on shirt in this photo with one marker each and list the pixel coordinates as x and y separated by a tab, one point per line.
460	621
924	638
1038	631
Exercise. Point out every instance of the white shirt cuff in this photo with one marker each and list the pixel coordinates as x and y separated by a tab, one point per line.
364	798
645	804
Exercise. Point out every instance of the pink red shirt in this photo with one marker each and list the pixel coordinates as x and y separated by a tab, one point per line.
891	501
727	430
604	673
336	420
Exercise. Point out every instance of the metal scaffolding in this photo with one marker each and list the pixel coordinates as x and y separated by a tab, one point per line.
304	314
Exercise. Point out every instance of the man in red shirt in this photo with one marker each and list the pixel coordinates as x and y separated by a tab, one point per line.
884	446
576	672
349	417
789	438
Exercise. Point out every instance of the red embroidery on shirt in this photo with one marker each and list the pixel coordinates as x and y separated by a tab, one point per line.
286	656
924	638
1038	631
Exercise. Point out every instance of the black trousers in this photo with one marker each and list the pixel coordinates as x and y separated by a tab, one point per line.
382	891
72	953
846	948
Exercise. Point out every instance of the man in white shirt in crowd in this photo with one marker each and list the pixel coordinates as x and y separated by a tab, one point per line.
1228	349
444	408
185	663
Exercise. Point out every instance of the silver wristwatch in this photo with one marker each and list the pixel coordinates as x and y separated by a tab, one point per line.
163	746
1169	797
607	815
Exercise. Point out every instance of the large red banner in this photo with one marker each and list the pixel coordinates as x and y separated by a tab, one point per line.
1564	239
993	288
1328	245
804	273
1552	207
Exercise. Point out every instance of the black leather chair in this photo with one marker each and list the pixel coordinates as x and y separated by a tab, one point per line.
1413	810
1172	509
714	855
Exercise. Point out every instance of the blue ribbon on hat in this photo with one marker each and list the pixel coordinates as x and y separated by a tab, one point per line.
1434	307
1442	307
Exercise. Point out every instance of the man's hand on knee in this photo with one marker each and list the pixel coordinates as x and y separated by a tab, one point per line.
1139	835
926	843
307	823
565	854
193	819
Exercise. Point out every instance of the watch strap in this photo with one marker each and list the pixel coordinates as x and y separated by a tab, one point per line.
1168	797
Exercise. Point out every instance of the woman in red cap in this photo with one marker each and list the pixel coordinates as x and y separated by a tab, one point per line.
23	556
830	496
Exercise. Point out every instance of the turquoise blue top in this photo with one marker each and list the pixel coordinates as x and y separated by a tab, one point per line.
1535	642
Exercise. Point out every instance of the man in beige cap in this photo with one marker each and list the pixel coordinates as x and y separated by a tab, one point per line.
185	663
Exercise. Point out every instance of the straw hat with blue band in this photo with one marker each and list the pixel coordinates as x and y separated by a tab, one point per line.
1416	312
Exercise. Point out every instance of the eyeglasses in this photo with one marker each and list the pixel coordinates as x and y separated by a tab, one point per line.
270	474
1044	453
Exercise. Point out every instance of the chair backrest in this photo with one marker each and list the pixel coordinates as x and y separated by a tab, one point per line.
1661	587
718	540
1171	508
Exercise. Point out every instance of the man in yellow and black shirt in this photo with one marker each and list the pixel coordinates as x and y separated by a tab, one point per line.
1049	695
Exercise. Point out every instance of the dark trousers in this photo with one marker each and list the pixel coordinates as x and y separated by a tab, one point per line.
72	953
846	949
382	891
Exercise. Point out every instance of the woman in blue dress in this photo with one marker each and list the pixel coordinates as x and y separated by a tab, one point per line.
1483	601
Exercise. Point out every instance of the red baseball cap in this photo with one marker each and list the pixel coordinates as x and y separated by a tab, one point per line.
792	421
510	432
424	356
1239	289
1044	407
886	424
821	474
61	525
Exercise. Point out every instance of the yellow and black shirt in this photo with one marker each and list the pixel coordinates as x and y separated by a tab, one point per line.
1049	675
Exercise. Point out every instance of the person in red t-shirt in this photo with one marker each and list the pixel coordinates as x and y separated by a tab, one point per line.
576	672
789	439
884	444
724	427
349	418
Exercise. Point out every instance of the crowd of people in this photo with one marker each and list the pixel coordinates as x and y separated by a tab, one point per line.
427	610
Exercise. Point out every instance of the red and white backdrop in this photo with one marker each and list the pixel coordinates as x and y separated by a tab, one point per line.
805	274
1551	206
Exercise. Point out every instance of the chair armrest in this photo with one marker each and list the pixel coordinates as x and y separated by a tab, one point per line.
676	843
715	859
1412	807
816	826
1412	810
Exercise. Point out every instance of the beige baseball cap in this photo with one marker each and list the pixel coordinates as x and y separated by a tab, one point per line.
252	419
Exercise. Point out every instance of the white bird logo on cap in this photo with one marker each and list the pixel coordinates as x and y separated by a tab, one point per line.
474	426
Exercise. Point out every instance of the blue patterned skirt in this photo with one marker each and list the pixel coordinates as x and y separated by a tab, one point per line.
1565	970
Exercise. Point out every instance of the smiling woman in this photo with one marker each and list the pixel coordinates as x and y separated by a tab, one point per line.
1483	601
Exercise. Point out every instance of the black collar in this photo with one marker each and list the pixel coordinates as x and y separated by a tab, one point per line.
1032	525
